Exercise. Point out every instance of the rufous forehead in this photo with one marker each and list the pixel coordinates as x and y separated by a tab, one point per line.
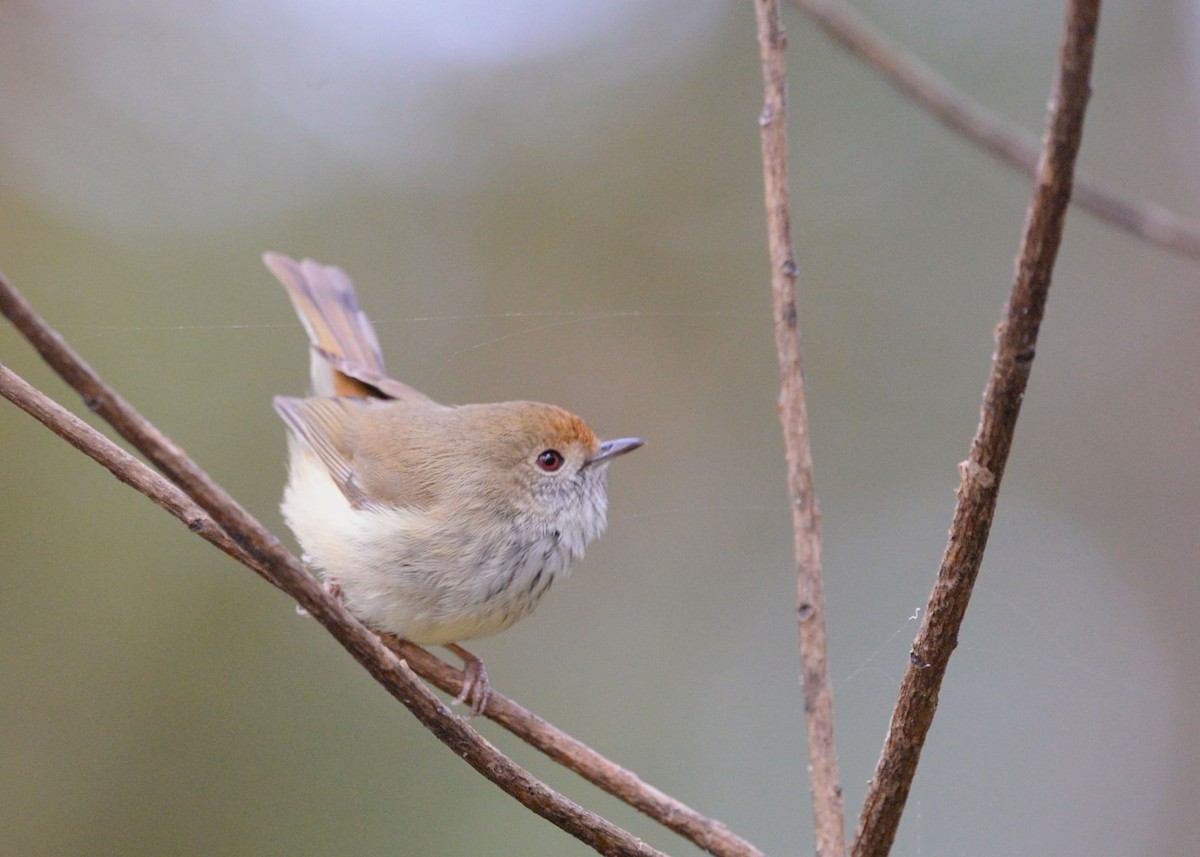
566	428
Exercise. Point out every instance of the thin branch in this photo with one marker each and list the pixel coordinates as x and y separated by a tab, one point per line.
707	833
1011	144
573	754
1016	341
118	462
104	401
828	809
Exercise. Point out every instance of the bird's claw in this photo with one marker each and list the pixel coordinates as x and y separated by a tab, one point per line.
332	590
475	688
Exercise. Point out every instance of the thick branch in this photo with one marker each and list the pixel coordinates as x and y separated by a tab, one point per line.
1016	340
828	810
1004	141
623	784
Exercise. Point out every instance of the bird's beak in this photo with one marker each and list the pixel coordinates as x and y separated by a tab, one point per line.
612	448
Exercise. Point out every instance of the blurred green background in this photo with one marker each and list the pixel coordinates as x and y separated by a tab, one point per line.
563	202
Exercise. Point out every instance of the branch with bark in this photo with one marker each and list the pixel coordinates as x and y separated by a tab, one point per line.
828	809
1016	343
1012	145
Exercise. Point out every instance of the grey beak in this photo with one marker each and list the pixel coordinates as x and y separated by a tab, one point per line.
613	448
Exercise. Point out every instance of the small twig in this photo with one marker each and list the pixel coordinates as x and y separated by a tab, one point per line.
104	401
1003	140
119	463
572	753
828	809
1016	340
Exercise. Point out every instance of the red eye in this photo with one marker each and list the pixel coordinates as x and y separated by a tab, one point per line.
550	460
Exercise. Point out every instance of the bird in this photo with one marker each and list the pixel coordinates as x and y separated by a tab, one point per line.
435	523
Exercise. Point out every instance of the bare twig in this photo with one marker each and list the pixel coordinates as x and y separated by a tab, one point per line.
118	462
623	784
572	753
1005	141
112	407
1016	340
828	810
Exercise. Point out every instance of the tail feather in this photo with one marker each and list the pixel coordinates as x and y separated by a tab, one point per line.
346	357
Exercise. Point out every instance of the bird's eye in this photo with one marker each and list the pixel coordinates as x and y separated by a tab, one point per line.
550	460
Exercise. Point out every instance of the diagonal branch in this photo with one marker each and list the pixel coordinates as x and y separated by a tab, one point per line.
1016	340
705	832
828	809
1003	140
121	464
573	754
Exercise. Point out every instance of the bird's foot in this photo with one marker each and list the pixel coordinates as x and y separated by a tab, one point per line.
475	688
331	589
